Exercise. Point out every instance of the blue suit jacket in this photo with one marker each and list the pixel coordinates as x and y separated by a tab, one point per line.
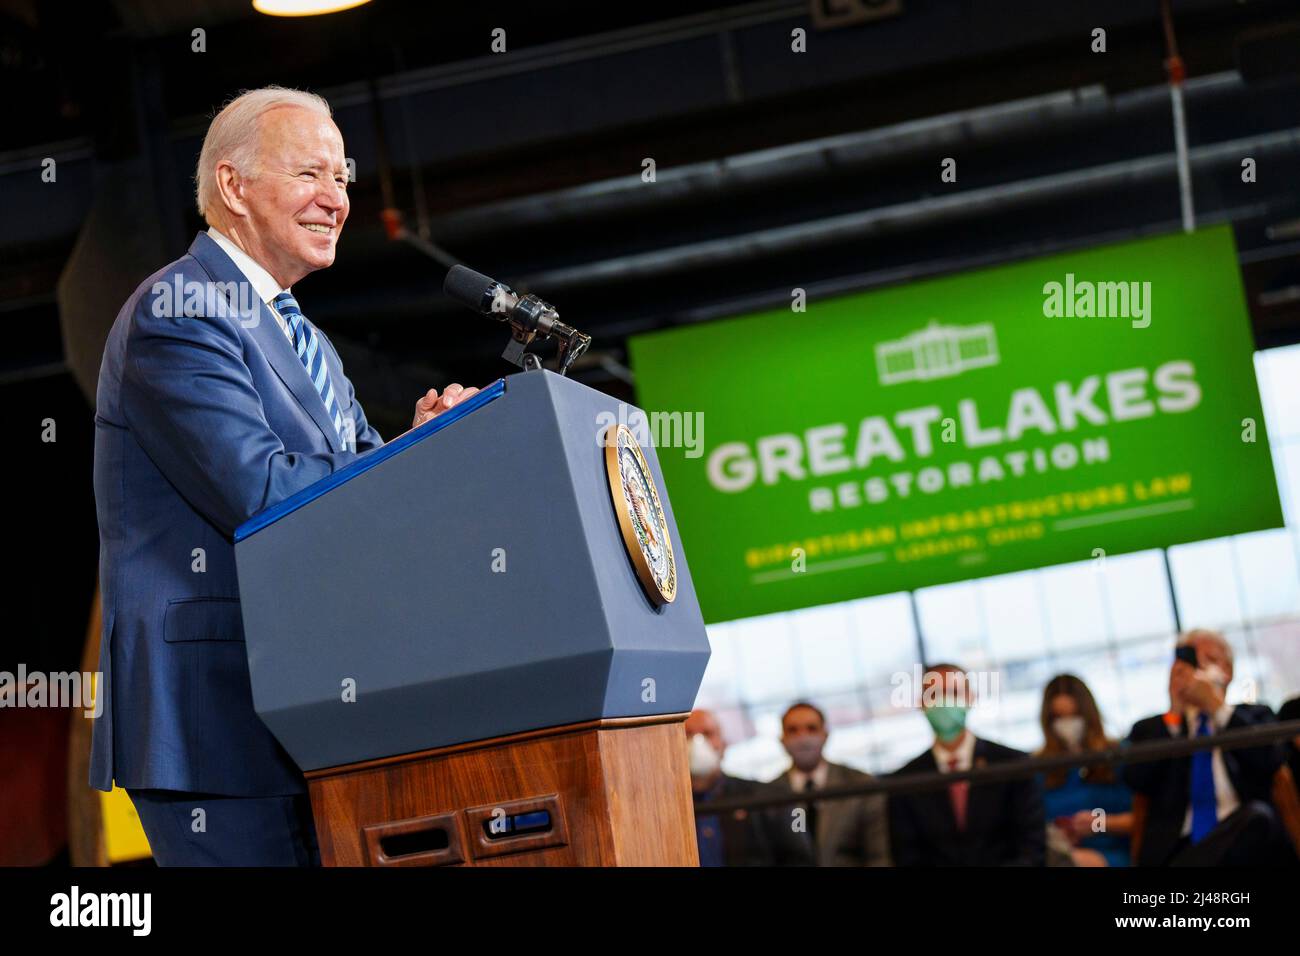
201	420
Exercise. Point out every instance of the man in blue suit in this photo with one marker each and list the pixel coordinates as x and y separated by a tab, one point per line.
218	398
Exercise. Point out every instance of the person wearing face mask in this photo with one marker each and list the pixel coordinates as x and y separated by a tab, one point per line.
738	837
848	832
1088	807
1213	807
992	824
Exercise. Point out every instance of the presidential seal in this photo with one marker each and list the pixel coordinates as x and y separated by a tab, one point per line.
640	515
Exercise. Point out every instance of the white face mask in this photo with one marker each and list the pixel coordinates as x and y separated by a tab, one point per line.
705	761
1215	675
1070	729
805	751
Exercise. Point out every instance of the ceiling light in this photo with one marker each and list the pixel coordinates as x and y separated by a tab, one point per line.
303	8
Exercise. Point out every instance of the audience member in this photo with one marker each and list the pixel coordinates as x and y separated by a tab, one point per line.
1291	711
989	824
1213	807
1089	805
846	832
737	837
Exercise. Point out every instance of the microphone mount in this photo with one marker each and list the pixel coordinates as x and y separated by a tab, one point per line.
532	320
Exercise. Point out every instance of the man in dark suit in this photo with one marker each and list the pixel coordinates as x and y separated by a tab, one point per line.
217	399
761	837
845	832
1291	749
992	824
1214	807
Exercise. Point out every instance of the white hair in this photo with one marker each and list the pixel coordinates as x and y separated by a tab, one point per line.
233	136
1204	634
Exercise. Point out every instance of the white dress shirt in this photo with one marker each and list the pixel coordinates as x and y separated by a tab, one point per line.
799	779
263	282
1225	795
964	754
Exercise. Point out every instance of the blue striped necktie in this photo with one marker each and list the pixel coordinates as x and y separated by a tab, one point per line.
307	344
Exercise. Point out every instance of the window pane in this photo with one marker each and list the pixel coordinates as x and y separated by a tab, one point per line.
1205	582
720	684
1137	593
827	656
1269	582
1075	609
1287	465
767	661
1278	371
1015	616
952	624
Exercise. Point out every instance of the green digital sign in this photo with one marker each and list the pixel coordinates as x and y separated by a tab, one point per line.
1054	410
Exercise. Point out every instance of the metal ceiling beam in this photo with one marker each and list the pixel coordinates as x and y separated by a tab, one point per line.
960	205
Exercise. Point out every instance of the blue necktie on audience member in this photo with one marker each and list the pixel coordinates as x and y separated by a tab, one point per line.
1205	815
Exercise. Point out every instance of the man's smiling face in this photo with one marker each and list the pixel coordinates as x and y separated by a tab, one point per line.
296	200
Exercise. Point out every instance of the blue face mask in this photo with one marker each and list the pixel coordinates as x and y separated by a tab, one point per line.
947	722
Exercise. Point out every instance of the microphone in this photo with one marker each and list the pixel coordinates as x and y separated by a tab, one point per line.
530	318
476	291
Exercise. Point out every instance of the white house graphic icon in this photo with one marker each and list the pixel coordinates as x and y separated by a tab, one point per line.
937	351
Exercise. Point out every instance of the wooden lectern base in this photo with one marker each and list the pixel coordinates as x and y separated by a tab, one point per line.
600	793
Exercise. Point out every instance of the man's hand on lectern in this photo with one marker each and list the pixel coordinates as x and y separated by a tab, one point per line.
431	405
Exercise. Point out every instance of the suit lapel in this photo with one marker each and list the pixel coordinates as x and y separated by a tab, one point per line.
336	380
831	813
735	828
786	782
1183	765
275	345
270	339
940	801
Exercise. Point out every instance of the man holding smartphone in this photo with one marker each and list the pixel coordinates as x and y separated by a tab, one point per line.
1213	807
